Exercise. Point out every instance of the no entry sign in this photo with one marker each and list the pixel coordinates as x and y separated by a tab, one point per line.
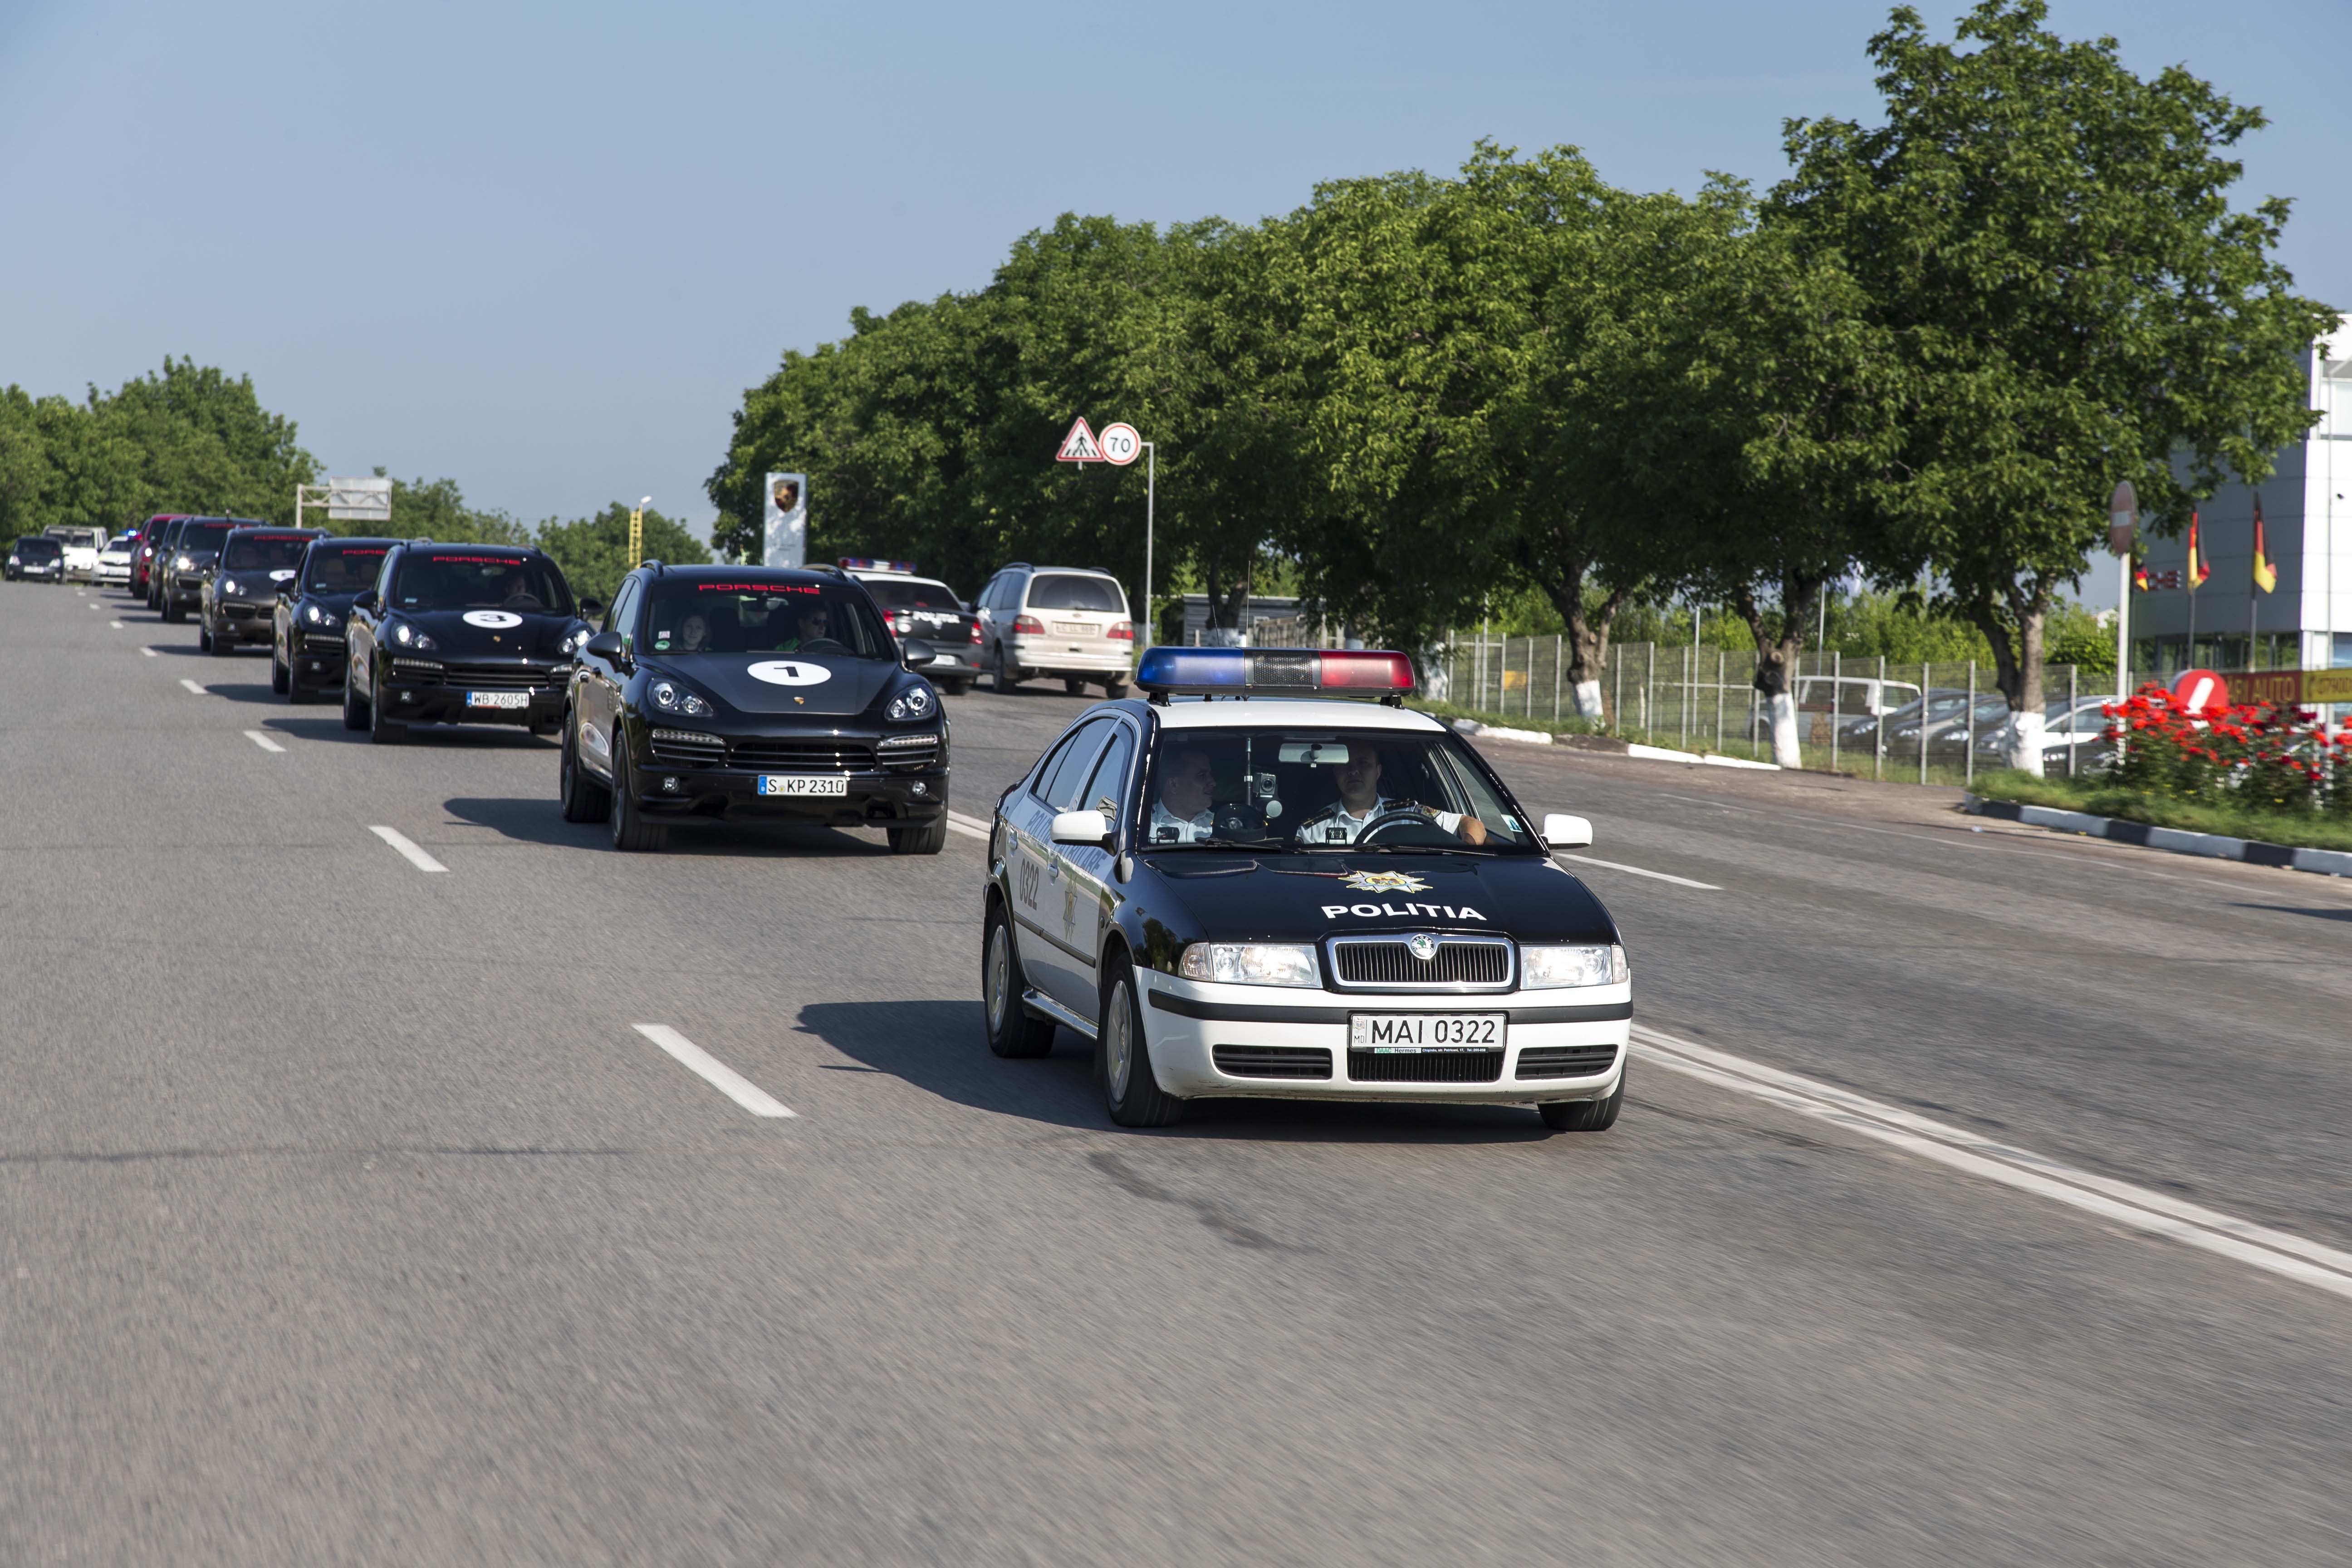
2200	693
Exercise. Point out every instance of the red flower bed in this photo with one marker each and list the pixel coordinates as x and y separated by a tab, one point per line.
2260	755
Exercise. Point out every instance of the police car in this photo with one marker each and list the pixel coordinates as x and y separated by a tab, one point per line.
1297	895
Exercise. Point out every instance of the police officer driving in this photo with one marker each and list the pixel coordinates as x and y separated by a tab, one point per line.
1362	804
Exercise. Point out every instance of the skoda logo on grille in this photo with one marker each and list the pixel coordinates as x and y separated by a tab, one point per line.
1423	947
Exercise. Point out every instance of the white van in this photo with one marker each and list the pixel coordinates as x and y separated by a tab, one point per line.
81	547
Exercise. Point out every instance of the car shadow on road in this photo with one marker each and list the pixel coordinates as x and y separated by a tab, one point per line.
942	1047
324	727
2343	914
538	819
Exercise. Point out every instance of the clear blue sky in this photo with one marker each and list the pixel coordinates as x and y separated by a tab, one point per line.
542	248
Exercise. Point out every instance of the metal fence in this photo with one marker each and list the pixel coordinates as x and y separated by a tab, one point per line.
1870	716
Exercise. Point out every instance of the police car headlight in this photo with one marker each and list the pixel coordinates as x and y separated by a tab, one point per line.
1541	968
1250	963
912	704
674	698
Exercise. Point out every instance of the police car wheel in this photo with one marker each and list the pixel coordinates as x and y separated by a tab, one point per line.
355	711
1588	1115
631	831
281	680
923	838
585	800
1123	1058
1011	1032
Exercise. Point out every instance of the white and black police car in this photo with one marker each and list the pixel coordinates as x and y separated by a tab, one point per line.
1297	895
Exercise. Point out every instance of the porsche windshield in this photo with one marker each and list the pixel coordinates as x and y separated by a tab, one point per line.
1306	790
202	537
464	580
683	616
264	552
346	569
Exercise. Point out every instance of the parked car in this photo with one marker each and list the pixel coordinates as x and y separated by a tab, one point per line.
1852	696
240	593
2074	729
81	548
36	558
1065	621
114	563
927	608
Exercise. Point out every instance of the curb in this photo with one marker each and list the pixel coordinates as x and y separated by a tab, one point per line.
2173	840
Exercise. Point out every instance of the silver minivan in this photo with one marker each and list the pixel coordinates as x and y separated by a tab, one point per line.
1065	621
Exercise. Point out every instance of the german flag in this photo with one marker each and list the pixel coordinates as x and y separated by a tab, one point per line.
2265	574
2198	567
2139	576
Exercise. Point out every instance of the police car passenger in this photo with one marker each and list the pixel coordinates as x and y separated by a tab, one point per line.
1181	814
1360	803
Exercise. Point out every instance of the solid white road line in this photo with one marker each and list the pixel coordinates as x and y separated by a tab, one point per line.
2142	1208
970	827
721	1077
263	741
148	652
192	686
408	850
1638	871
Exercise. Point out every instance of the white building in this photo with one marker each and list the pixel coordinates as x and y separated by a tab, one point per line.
2306	623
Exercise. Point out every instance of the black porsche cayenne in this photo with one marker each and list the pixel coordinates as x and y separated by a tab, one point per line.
734	691
460	633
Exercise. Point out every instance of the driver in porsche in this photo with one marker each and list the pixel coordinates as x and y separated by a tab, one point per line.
1362	802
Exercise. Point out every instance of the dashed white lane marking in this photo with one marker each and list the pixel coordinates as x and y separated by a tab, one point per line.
263	741
719	1076
2142	1208
115	624
1638	871
408	849
148	652
970	827
192	687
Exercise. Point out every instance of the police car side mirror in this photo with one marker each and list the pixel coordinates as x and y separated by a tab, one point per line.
1088	827
1561	831
914	652
605	645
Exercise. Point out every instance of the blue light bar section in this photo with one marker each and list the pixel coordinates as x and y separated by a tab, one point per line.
1167	669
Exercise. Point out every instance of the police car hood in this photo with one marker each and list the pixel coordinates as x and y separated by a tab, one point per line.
769	682
488	634
1300	898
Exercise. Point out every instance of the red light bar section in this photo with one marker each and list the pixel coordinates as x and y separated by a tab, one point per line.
1365	670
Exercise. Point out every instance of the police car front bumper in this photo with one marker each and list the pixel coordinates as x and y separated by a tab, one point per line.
1275	1042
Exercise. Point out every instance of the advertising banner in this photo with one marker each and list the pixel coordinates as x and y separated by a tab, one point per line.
785	537
2303	688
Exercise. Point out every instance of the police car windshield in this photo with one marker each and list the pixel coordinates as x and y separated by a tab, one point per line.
736	616
461	580
264	552
911	594
1311	790
343	569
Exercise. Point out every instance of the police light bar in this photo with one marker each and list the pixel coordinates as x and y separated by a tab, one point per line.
860	564
1273	671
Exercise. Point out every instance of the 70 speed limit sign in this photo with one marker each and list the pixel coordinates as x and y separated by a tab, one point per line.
1121	444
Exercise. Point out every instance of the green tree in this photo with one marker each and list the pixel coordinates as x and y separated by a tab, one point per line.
2049	240
594	550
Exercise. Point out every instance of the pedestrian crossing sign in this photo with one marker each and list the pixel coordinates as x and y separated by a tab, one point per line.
1079	446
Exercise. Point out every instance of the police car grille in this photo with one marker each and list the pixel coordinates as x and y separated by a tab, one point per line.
1273	1061
1392	963
1567	1061
822	754
497	677
1424	1066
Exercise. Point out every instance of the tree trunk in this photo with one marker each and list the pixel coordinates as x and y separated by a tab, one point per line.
2017	647
1776	651
1588	630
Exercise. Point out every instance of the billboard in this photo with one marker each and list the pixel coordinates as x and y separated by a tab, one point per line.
360	500
785	537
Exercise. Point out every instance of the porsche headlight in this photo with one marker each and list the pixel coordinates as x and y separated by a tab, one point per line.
1250	963
671	698
1543	968
407	636
573	642
914	703
318	617
183	563
229	586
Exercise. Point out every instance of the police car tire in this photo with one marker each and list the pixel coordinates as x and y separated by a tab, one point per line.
281	680
1140	1101
1011	1032
631	832
585	800
923	838
355	711
1588	1115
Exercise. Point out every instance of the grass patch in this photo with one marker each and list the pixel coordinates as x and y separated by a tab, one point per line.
2103	799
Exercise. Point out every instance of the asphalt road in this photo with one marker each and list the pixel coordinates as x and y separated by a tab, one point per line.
346	1215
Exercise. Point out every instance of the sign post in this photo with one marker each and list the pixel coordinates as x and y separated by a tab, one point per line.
1120	445
2123	528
